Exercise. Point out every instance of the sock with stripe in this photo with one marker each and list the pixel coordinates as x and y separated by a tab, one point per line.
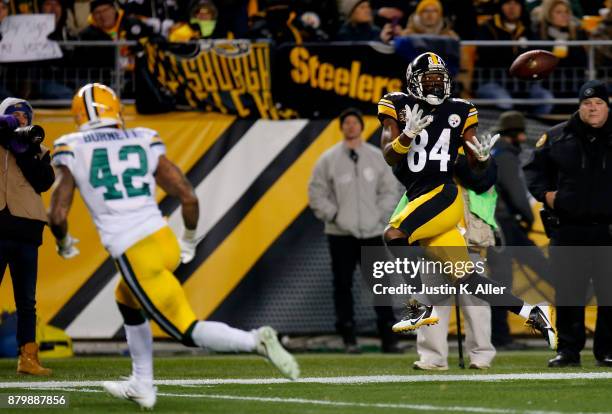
140	343
218	336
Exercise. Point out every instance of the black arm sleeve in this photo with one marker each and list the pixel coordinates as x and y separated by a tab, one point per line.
479	182
512	187
37	169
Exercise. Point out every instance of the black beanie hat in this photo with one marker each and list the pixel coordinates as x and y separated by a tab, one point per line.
594	89
96	3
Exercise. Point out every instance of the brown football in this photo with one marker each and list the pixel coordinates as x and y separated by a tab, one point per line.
534	65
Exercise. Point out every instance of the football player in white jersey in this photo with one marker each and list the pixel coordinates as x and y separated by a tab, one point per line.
116	170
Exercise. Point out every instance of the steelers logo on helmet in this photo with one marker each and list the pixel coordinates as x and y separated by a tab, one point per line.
428	78
96	105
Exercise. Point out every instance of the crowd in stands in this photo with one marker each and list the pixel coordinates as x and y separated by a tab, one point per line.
311	20
338	20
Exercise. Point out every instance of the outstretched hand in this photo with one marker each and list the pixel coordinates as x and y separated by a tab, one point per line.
481	147
415	121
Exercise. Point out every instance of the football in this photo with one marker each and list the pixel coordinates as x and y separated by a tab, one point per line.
533	65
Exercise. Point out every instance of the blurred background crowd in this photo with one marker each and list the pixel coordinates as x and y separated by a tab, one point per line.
309	20
299	21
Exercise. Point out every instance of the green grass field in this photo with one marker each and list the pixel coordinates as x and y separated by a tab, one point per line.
493	391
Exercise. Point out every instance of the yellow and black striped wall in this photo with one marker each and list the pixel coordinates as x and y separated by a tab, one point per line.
264	256
251	177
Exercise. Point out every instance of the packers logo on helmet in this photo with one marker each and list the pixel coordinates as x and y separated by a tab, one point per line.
423	82
96	105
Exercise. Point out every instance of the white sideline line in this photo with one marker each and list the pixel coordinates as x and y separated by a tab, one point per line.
368	379
413	407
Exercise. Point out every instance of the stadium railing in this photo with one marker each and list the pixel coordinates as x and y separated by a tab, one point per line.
50	83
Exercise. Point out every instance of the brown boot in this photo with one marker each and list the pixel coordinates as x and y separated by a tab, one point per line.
28	360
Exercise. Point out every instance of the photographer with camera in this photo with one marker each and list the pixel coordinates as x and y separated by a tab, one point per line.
25	172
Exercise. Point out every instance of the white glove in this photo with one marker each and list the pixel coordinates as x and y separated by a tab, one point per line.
481	148
188	245
415	122
67	247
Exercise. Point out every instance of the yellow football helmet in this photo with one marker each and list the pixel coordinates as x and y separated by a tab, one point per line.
96	105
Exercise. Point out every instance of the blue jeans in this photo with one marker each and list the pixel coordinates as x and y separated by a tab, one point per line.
494	90
22	260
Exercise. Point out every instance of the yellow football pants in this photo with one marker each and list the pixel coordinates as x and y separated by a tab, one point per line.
432	220
148	283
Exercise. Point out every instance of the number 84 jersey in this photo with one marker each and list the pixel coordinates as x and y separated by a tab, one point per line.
432	155
114	171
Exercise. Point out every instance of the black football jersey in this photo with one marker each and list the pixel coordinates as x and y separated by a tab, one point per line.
432	155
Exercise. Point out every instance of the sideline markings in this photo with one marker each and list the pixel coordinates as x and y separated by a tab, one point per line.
413	407
365	379
304	401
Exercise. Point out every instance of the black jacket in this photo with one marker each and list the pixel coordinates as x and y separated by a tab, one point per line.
495	56
576	161
510	186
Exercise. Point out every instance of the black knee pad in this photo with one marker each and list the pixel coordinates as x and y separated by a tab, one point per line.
131	316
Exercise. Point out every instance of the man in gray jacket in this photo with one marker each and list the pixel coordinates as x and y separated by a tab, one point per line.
353	191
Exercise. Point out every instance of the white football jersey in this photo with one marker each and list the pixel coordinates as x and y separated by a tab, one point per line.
113	169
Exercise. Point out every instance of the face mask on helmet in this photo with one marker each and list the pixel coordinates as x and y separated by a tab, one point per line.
428	79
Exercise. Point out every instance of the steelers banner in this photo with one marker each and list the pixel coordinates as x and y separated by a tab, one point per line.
227	76
319	80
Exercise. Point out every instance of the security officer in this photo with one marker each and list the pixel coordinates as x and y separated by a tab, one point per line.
571	173
25	172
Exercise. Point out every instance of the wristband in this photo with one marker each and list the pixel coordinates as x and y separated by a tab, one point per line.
399	147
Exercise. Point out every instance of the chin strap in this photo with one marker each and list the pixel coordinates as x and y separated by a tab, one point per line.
433	100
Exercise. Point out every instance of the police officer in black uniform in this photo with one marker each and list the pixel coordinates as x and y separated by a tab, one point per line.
571	173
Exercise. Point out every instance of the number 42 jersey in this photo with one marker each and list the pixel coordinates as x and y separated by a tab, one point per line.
113	169
431	159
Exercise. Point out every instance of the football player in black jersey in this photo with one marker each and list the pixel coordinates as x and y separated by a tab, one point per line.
422	134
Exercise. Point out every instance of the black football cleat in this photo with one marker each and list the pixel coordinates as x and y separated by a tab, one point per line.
563	360
606	361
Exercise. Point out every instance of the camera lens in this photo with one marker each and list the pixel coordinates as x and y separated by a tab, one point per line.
34	134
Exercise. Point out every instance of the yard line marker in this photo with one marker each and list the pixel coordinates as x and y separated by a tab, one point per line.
366	379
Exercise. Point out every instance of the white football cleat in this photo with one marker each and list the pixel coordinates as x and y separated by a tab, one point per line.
540	319
142	394
417	316
269	347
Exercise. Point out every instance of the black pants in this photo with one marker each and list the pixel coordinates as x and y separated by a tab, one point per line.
501	270
573	271
22	260
345	255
